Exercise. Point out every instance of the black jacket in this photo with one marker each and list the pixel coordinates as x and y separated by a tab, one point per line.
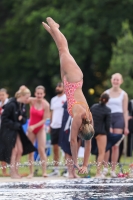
130	107
101	117
130	121
10	127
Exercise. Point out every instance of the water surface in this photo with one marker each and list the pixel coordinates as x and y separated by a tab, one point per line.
87	188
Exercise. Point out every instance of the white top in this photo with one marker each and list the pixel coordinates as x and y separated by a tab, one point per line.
2	109
56	106
116	103
3	103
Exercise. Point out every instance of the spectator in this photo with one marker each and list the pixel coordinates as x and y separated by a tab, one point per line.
118	103
39	113
56	120
130	125
102	118
14	143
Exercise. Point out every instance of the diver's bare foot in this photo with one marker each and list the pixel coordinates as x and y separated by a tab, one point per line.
52	23
53	28
47	27
74	172
30	175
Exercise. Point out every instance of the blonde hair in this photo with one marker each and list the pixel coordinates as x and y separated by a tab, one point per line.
3	90
23	90
40	87
86	130
117	74
86	126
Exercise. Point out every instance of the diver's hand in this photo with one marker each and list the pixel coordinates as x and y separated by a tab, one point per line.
83	170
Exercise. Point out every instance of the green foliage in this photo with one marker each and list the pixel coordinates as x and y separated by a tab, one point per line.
122	59
29	56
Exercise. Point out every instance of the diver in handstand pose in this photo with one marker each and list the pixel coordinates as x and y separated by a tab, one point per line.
78	108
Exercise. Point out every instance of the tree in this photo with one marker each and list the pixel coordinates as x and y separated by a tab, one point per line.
29	56
122	59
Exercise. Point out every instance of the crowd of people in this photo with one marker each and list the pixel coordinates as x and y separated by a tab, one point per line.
15	143
99	128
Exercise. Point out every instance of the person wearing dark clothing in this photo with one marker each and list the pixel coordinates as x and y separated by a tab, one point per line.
130	126
65	131
14	141
101	118
103	140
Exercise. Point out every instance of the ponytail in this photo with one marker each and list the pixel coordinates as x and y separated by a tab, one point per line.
104	98
22	92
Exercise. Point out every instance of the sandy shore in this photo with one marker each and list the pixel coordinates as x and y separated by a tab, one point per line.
24	179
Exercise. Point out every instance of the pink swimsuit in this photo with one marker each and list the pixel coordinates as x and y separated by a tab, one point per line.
70	88
35	117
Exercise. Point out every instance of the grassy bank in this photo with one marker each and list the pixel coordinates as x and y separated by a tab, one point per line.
24	169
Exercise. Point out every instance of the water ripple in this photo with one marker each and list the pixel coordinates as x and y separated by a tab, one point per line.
101	189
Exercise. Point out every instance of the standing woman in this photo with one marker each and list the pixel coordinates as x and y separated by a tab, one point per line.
39	113
14	143
118	103
102	118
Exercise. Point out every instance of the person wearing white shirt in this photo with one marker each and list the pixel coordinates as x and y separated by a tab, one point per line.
118	103
56	106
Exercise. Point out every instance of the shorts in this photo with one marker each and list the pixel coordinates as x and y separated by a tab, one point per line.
117	120
96	134
55	133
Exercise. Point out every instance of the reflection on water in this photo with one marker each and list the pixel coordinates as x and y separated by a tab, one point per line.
101	189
